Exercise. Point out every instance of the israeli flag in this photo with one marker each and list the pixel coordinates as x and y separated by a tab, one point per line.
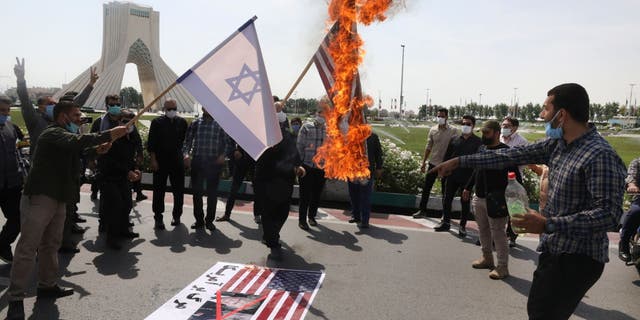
231	84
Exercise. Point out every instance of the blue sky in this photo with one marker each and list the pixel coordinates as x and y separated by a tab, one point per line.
456	49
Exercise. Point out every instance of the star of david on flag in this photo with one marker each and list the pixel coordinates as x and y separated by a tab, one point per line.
238	93
231	83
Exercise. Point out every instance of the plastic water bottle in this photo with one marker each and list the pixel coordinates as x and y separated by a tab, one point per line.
517	199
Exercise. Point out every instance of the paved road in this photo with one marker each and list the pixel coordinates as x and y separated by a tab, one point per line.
398	269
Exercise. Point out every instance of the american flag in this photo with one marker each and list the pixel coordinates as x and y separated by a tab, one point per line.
326	67
287	293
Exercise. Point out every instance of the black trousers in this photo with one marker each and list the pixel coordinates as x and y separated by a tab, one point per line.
274	215
559	283
176	177
115	200
10	205
311	186
429	180
205	176
239	169
452	187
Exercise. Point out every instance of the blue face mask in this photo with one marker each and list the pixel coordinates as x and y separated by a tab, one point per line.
49	110
115	110
553	133
72	127
4	119
295	127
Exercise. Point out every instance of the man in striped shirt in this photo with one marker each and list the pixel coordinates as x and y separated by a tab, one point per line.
586	184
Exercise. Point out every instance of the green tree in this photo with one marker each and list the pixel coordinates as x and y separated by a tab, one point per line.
422	112
131	98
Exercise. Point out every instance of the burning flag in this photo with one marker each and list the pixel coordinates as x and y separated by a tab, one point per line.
343	155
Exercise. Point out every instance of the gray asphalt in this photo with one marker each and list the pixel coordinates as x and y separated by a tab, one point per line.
381	273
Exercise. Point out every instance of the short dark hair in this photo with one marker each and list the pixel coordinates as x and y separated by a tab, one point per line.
296	119
514	122
573	98
491	124
444	110
276	98
63	107
470	118
42	100
111	97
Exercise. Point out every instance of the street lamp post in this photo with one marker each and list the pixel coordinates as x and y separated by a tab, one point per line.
480	99
631	85
515	103
401	80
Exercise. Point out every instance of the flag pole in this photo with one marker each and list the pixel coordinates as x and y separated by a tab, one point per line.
299	79
148	106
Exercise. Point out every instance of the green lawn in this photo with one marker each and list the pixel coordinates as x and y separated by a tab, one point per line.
415	140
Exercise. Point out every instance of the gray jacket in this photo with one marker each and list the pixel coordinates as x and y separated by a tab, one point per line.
10	175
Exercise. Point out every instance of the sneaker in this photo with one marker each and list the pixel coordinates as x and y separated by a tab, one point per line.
6	255
462	232
257	219
420	214
54	292
210	226
354	220
499	273
222	218
313	222
442	226
303	225
197	225
141	197
276	254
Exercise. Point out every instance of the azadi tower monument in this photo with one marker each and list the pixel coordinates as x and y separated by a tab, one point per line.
130	35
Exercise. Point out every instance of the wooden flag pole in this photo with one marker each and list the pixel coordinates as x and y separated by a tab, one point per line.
295	85
147	107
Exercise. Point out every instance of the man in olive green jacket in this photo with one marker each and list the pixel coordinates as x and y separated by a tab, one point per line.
50	185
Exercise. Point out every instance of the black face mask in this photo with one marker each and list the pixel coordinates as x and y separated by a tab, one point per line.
487	141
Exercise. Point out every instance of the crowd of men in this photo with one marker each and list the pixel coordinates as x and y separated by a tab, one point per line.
40	202
583	195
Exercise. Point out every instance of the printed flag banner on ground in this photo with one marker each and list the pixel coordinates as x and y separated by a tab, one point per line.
231	84
243	292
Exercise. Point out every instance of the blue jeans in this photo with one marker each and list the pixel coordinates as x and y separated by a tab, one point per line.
360	196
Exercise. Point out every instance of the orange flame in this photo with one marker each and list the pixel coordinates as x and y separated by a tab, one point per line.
343	155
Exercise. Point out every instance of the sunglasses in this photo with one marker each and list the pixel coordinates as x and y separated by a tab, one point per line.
172	109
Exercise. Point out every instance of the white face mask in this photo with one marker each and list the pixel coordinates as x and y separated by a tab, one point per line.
171	114
282	117
130	129
442	121
466	129
505	132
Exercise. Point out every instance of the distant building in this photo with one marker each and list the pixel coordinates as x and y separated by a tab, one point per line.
131	35
625	121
